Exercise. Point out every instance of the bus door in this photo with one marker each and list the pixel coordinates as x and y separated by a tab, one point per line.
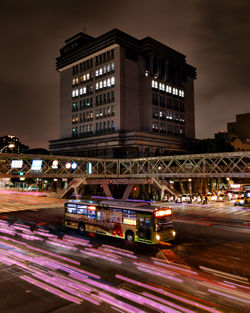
144	231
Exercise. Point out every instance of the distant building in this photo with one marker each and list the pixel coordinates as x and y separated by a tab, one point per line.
11	144
123	97
239	132
240	128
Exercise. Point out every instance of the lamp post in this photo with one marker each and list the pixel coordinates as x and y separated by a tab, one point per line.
10	146
190	185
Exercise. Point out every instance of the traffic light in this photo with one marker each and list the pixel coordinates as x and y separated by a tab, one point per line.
21	173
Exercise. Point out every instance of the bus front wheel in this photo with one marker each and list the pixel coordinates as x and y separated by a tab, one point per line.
81	228
130	236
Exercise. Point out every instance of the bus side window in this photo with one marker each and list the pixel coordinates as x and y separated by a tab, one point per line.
71	210
115	215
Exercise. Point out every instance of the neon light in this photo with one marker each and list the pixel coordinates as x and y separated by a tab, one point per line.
161	213
129	221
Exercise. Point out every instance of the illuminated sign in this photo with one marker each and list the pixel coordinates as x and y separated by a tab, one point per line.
89	168
16	163
129	221
68	165
91	207
161	213
74	165
36	165
55	164
235	186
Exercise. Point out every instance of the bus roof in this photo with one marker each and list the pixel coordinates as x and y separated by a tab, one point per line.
127	205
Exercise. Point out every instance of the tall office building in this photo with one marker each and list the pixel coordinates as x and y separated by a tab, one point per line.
123	97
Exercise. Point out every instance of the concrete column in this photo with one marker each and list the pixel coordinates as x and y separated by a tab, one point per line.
205	185
201	185
217	183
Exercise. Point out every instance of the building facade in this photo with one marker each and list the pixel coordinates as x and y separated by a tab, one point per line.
123	97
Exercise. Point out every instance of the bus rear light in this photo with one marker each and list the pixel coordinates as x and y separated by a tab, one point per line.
161	213
91	207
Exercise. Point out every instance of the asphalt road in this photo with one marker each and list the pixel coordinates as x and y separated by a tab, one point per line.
47	269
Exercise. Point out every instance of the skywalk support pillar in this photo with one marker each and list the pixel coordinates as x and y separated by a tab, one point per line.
127	192
107	190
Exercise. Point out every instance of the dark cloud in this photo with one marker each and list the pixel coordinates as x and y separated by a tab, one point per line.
212	34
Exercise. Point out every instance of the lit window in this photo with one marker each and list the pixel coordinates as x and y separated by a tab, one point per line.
97	86
170	89
73	81
113	66
96	73
112	80
104	69
182	94
76	80
104	83
100	71
108	82
100	85
73	93
108	68
77	93
84	90
84	77
80	91
87	76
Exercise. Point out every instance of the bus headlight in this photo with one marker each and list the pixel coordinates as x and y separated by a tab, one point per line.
157	237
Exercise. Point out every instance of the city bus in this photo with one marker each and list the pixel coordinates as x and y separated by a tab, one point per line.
140	222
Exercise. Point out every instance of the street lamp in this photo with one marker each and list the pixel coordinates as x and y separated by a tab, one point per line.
10	146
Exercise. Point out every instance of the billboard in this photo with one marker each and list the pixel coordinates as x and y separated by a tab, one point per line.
36	165
16	163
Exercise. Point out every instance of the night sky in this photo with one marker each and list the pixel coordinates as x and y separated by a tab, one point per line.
213	34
